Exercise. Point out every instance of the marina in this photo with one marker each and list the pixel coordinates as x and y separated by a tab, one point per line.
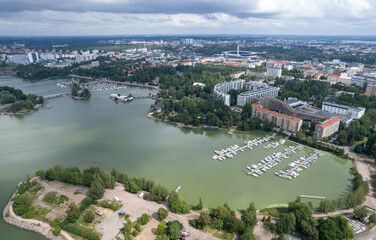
271	161
274	144
293	170
232	151
95	86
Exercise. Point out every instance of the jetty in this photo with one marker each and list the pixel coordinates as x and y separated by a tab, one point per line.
293	170
234	150
312	197
178	189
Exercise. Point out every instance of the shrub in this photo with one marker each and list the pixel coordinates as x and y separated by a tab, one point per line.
86	202
162	214
144	219
113	205
52	198
56	222
89	216
74	213
82	231
57	231
161	228
135	233
137	226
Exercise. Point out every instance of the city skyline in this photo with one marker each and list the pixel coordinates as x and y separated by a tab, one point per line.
115	17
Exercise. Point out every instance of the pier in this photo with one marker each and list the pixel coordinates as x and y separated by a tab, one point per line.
297	165
272	161
178	189
232	151
312	197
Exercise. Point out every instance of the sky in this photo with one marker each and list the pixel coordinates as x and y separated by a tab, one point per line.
127	17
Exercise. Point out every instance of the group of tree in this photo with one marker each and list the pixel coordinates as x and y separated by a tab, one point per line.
77	91
39	72
298	218
18	100
224	219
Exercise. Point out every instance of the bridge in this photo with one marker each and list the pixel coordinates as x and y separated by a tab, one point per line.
57	95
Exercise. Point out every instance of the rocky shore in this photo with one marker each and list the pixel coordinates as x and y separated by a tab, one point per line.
31	224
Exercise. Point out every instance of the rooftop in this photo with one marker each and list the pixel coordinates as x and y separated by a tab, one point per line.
329	122
260	108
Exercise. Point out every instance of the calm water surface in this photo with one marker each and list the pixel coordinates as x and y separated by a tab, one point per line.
108	135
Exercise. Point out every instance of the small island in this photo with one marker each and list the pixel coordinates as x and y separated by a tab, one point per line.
80	93
15	102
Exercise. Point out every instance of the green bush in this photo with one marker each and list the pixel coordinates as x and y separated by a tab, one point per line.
161	228
56	222
86	202
82	231
162	214
144	219
89	216
113	205
137	226
74	213
57	231
52	198
135	233
174	229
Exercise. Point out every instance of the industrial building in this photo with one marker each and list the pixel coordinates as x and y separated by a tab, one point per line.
327	128
351	112
280	120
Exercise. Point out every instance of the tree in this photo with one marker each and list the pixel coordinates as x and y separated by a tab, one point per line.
162	214
158	193
360	213
286	223
176	203
22	203
89	216
174	229
249	215
204	220
97	189
161	228
372	218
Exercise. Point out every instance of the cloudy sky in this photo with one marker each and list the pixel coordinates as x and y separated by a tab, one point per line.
125	17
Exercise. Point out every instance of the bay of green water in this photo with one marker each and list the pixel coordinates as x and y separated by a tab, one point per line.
102	133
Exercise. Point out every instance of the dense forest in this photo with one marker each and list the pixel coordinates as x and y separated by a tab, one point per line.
39	72
17	100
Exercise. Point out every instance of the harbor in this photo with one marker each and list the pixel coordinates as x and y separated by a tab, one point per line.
293	170
271	161
232	151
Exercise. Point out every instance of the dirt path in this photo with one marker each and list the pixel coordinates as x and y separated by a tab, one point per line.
260	231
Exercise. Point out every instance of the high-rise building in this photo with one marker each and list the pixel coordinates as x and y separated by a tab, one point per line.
371	89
